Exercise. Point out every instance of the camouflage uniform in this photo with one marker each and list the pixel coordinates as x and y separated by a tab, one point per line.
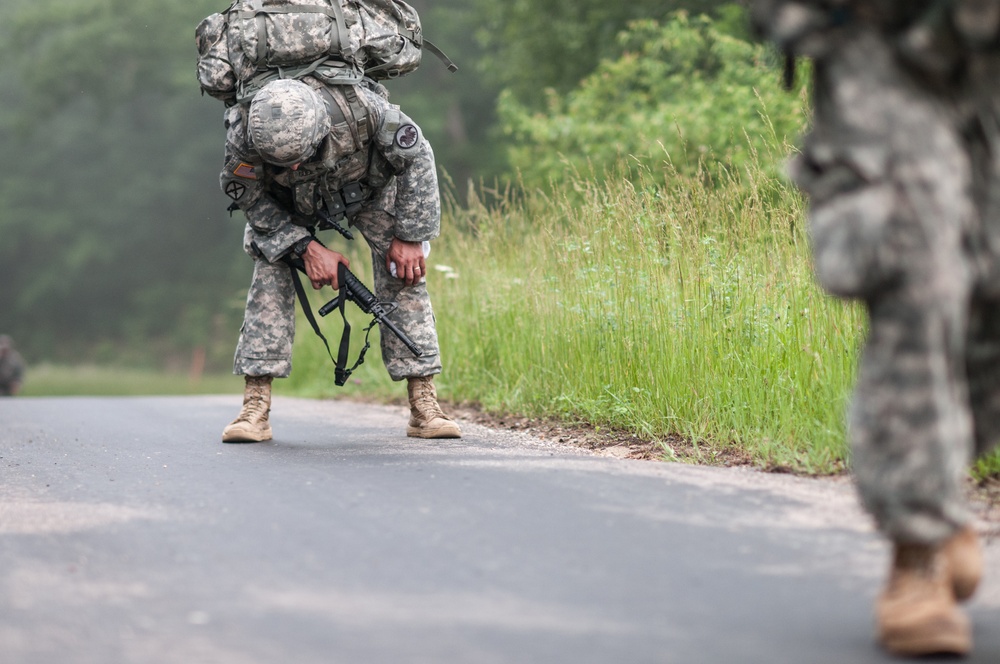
380	153
898	183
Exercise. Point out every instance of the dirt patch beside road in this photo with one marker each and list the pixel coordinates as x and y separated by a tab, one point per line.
605	440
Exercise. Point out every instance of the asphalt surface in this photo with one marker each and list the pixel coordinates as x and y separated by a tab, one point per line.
129	533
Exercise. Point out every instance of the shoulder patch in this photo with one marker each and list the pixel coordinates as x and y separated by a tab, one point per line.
245	171
407	136
235	190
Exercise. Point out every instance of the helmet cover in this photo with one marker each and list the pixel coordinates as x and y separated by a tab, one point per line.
287	122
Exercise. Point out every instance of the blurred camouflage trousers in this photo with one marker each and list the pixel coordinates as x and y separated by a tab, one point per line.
897	221
265	345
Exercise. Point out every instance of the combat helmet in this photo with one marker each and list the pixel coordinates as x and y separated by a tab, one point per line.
287	122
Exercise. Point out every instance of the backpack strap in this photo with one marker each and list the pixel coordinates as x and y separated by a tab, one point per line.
415	36
349	109
430	46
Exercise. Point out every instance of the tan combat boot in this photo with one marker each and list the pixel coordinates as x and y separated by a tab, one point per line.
963	559
917	613
427	420
251	426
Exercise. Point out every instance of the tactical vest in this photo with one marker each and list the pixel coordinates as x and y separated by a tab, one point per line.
346	173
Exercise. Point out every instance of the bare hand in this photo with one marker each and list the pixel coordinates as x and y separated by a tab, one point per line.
409	260
321	265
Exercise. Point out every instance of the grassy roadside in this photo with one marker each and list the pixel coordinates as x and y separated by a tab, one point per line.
658	305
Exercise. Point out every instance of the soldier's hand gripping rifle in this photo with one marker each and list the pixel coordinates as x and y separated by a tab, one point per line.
351	290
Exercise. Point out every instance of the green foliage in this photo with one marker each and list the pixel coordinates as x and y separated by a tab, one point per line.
116	243
682	92
531	45
456	111
110	50
987	467
659	304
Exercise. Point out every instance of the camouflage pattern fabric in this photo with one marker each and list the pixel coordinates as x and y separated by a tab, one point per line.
404	203
265	346
287	121
387	53
336	41
414	315
900	220
417	199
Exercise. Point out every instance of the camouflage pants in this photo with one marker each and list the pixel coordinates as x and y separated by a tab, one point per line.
893	223
265	345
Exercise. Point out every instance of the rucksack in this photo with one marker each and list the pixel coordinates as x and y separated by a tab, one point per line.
338	41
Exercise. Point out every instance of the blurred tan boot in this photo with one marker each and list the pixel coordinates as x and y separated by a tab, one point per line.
963	558
427	420
251	426
917	613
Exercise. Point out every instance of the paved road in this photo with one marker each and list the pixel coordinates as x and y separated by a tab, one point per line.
128	533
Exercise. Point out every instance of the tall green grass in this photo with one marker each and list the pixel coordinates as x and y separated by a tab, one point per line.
661	304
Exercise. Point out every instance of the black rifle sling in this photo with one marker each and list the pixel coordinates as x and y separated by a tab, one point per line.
341	372
307	310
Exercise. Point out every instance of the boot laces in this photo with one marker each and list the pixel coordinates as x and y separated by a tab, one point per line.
425	402
255	405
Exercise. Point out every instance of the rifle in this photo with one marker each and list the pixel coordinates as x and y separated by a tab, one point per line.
351	290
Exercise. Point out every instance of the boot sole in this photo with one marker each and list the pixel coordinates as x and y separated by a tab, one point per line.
923	646
244	437
440	432
954	641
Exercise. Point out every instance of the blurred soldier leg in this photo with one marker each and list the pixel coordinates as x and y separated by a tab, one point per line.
415	317
264	351
911	430
912	440
912	437
890	179
916	613
902	183
963	553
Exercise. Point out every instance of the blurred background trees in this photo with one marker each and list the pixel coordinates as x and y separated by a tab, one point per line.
115	245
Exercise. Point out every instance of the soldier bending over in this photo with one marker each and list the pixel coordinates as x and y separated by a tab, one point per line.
303	149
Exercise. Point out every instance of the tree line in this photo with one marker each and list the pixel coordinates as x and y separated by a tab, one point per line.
115	245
